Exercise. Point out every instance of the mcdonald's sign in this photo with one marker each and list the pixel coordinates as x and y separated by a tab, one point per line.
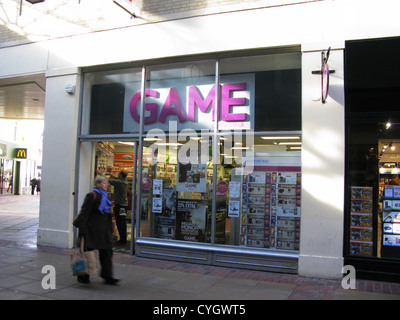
21	153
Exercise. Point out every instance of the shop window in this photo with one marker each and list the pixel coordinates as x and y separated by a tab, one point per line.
277	79
107	99
373	149
257	197
176	195
259	192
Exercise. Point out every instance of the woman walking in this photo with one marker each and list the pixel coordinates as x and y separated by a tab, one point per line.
96	227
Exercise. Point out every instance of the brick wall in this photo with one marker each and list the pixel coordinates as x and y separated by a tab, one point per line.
22	22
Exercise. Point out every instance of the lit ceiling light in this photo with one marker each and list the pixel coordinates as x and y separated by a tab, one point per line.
289	143
168	144
126	143
388	125
280	138
35	1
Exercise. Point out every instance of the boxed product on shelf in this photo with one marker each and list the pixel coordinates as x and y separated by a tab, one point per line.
361	248
361	220
391	240
391	192
391	204
388	227
361	206
361	193
361	234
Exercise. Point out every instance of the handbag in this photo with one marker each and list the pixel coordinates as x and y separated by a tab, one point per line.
77	221
83	262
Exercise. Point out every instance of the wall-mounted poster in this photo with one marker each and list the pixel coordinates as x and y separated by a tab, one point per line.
191	220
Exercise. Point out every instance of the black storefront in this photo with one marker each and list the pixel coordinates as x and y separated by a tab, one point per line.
372	211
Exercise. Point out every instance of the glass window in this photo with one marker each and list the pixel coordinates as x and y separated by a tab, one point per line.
259	191
373	189
276	83
108	101
176	194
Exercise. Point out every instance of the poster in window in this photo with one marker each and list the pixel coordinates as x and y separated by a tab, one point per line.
157	205
157	186
191	220
234	189
233	211
192	177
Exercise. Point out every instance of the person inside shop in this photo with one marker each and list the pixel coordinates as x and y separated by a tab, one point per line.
394	180
120	204
96	227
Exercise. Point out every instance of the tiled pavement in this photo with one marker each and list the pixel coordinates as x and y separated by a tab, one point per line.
21	277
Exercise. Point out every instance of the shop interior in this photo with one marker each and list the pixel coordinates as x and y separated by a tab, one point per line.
388	239
176	198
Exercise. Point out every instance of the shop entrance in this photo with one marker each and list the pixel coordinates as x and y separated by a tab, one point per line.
116	161
6	176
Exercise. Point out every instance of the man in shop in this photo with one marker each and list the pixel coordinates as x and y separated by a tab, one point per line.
120	204
394	180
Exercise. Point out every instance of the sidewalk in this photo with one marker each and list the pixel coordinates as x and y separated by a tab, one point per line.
21	263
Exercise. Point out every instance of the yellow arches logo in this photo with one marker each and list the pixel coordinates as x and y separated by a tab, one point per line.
21	153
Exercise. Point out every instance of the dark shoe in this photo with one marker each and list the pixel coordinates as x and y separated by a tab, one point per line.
111	281
83	279
120	243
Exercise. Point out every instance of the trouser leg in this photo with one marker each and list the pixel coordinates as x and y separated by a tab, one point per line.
121	224
105	257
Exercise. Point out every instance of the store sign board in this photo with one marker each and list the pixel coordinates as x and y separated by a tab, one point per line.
20	153
192	105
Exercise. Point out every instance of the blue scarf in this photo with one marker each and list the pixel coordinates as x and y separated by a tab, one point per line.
105	204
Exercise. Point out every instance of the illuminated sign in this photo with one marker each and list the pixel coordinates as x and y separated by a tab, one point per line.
192	106
21	153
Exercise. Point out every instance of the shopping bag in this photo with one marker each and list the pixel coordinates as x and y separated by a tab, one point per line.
83	262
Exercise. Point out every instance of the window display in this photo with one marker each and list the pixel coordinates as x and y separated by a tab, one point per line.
271	208
361	228
260	208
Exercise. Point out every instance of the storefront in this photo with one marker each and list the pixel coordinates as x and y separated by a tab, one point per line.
215	183
236	153
372	223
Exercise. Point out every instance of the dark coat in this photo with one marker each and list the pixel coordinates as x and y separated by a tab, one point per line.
94	226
